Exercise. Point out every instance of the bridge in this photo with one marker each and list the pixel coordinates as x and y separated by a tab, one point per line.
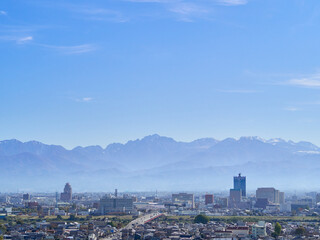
143	220
139	221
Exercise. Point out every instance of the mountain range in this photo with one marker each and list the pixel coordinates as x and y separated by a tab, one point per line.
160	163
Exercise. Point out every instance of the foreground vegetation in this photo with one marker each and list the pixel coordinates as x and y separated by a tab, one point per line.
117	221
230	219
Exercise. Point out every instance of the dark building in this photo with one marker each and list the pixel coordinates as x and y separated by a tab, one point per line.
239	183
262	203
110	204
208	198
221	202
67	193
26	196
183	199
270	193
32	204
235	198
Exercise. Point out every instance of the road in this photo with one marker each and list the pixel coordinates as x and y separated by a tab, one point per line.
139	221
142	220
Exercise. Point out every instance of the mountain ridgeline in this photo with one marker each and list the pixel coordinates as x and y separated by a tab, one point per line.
156	162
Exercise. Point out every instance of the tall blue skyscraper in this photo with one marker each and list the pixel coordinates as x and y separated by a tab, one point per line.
239	183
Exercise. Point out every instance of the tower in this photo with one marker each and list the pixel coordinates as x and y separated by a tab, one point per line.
239	183
67	193
57	199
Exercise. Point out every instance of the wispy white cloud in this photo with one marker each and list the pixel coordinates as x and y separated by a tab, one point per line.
220	2
187	8
3	13
70	50
100	14
231	2
182	10
151	1
311	81
86	99
17	39
21	30
24	39
88	11
83	99
187	11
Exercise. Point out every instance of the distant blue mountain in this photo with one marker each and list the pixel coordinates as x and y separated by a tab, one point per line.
156	162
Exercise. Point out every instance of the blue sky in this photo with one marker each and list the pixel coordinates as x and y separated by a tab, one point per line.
97	72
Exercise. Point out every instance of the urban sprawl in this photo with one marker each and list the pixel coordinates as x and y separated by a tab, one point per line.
267	214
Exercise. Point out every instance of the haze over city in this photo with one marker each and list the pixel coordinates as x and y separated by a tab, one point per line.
159	120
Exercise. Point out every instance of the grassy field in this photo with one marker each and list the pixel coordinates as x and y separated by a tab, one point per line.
67	217
248	218
125	219
31	219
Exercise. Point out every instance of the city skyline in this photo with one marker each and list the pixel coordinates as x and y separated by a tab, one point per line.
264	191
81	73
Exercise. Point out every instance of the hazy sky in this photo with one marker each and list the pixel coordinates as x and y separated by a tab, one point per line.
96	72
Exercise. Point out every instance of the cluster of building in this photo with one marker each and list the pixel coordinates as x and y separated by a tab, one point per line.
266	201
158	229
91	230
110	204
180	230
163	230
